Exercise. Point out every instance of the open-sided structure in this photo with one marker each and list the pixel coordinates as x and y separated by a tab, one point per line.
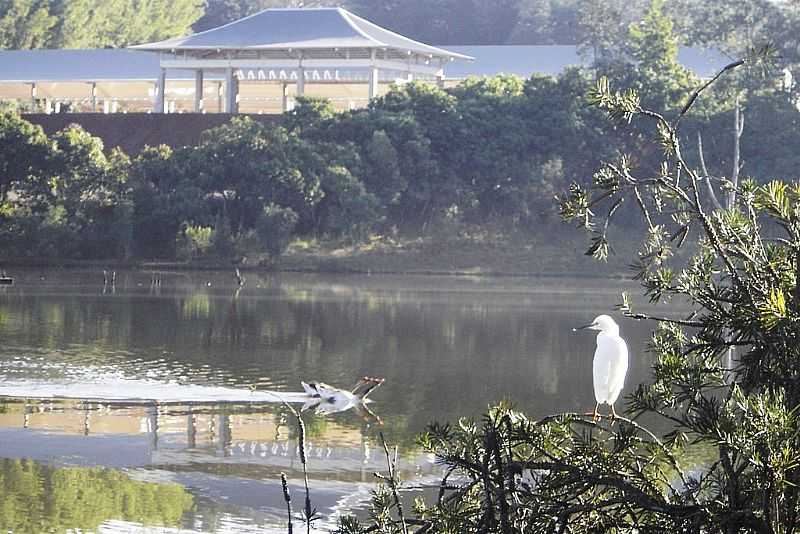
299	48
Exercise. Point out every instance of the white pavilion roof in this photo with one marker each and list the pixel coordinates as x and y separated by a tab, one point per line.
298	29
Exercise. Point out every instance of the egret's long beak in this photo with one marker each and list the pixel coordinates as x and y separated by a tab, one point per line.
584	327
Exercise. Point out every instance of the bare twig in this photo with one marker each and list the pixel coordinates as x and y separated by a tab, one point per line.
738	128
391	464
443	486
301	444
706	175
288	499
681	322
642	207
696	94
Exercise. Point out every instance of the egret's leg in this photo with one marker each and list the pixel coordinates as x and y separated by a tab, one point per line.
613	412
596	415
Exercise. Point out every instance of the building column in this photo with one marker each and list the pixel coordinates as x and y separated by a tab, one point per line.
301	80
93	95
225	434
284	97
440	80
374	78
191	428
161	89
33	97
231	91
152	426
198	91
220	101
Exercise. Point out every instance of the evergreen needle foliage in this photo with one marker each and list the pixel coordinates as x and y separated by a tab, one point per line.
725	389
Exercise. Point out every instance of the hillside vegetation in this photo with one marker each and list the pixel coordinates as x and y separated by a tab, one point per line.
478	163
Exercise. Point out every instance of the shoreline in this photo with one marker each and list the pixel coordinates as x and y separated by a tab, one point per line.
491	256
221	266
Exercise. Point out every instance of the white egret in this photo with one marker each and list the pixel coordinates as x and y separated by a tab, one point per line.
610	363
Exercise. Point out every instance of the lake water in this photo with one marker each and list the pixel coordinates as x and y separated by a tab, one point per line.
200	441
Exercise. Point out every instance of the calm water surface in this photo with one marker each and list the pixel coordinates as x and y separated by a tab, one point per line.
207	456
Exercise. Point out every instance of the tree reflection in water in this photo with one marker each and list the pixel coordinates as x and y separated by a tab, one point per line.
447	347
37	498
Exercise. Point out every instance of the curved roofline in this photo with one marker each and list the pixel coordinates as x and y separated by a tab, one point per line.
353	21
347	16
344	13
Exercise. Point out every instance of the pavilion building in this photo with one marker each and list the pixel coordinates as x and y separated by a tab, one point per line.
261	63
306	49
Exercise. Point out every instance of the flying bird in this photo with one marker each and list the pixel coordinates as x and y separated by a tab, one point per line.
610	363
325	399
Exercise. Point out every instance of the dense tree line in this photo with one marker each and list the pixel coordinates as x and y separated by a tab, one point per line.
489	151
93	23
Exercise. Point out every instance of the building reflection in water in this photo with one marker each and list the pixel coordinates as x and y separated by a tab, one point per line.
223	437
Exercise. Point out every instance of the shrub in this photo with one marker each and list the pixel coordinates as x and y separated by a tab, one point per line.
275	227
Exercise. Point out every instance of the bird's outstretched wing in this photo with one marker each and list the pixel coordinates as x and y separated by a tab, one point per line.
365	386
310	388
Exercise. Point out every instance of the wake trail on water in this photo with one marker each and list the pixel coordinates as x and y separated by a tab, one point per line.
123	390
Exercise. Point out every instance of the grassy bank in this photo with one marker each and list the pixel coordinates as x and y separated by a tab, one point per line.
476	254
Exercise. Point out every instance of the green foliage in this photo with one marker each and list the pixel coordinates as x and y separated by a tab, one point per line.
602	27
383	175
69	198
92	23
489	151
25	24
725	380
545	22
38	498
198	240
275	227
349	209
24	155
164	196
648	62
89	23
93	191
308	113
248	165
725	376
221	243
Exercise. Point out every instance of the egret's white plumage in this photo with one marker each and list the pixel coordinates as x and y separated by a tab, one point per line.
610	363
326	399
